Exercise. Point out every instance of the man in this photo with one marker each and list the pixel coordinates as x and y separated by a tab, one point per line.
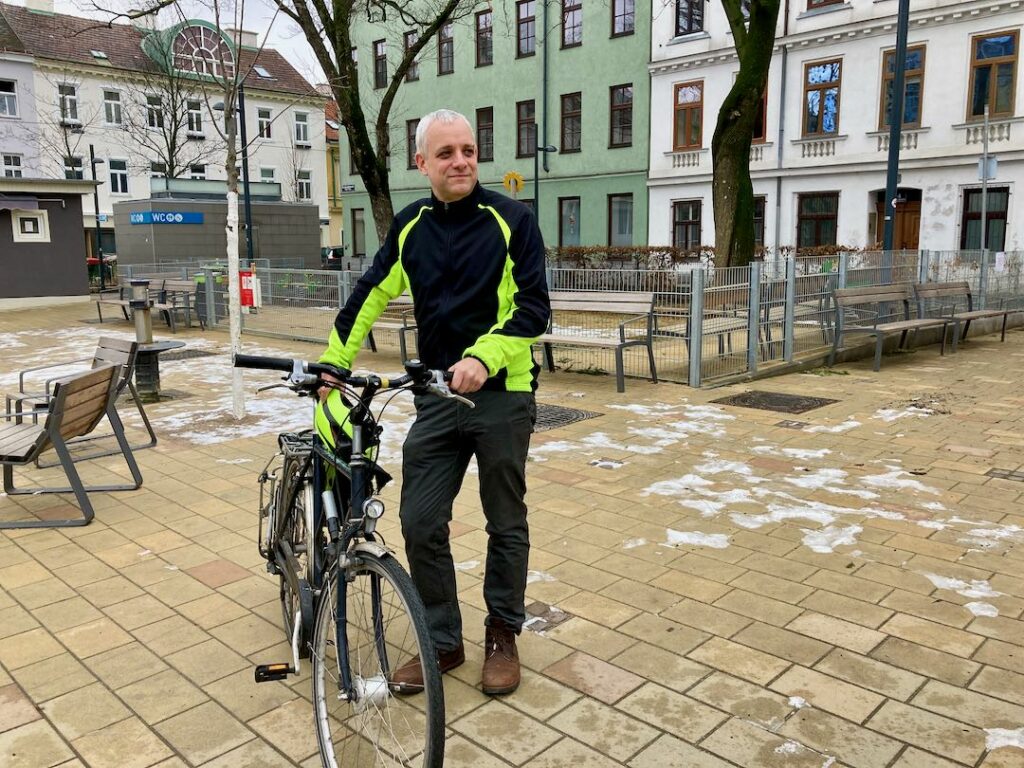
473	261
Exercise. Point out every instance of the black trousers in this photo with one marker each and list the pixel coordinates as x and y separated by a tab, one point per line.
437	451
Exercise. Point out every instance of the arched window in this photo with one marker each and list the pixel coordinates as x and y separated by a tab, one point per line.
202	51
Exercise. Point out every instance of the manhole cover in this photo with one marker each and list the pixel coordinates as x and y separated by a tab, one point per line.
541	617
775	401
791	424
1006	474
554	416
186	354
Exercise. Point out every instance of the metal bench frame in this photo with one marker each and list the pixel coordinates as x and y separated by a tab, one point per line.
925	291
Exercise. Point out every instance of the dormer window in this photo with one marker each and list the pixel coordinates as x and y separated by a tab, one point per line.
202	51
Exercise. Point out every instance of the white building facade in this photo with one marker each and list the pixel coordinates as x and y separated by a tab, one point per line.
818	164
92	94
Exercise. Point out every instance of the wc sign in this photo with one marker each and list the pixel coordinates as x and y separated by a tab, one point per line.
165	217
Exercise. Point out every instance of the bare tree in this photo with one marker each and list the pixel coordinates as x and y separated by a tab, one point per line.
63	120
330	27
166	117
753	25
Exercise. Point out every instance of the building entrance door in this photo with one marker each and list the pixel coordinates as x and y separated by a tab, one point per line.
907	222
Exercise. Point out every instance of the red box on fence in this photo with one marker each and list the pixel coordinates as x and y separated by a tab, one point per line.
247	285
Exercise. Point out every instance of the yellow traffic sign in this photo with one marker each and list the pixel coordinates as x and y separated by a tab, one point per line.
513	181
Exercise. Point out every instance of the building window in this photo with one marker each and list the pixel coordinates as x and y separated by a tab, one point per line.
821	98
112	107
380	64
268	175
620	116
817	219
686	224
812	4
689	118
913	87
73	168
304	185
759	205
154	112
413	72
526	28
572	23
30	226
993	74
623	20
761	119
445	50
568	221
358	232
485	134
195	118
263	122
689	16
12	166
484	39
572	122
526	129
8	98
302	129
68	103
410	142
620	220
197	172
157	170
995	219
118	176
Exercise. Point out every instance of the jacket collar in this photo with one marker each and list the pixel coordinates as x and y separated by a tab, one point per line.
462	207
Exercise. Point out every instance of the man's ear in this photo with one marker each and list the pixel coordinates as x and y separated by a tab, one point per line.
421	163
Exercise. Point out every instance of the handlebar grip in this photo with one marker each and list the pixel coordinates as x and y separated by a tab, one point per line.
265	363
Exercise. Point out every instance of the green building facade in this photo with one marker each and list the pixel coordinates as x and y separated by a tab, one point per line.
586	88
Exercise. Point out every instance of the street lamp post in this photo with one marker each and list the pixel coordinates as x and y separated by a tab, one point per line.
93	162
537	149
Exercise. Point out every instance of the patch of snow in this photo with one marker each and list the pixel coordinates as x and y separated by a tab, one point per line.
973	588
935	506
601	440
896	479
677	487
827	539
933	524
706	507
846	426
468	565
633	543
982	609
717	467
796	702
233	461
658	409
789	748
606	463
534	576
996	738
891	414
696	538
560	446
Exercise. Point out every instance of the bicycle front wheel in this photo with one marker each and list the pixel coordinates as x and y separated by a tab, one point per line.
385	628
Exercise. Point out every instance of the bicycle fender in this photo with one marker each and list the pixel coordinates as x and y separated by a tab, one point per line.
371	548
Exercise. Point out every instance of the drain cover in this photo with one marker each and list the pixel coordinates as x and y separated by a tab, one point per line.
541	617
1007	474
775	401
186	354
554	416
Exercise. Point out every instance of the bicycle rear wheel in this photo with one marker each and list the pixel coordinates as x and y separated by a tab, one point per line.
386	626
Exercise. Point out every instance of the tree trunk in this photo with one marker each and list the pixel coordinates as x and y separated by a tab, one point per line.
234	292
732	191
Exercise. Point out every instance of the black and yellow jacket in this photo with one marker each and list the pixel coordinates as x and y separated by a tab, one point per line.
475	271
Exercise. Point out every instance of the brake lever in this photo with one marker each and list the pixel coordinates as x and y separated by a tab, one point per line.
272	386
440	387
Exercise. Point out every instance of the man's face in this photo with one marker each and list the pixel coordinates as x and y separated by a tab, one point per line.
449	161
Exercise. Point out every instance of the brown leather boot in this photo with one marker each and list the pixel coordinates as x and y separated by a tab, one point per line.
408	678
501	660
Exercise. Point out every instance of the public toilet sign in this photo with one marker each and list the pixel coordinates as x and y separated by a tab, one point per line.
166	217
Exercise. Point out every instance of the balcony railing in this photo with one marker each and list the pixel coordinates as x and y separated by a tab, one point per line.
998	130
823	146
909	138
690	158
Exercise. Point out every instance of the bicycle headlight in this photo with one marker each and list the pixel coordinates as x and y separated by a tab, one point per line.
373	508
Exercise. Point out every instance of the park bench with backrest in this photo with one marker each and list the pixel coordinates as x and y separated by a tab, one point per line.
930	293
77	405
631	311
855	300
172	297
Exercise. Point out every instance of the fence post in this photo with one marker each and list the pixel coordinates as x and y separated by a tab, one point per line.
211	316
787	331
754	316
346	288
549	277
695	326
341	287
983	281
922	267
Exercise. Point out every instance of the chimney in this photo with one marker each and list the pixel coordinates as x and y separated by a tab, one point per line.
244	38
46	6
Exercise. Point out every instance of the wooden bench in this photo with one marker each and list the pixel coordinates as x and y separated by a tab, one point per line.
881	295
926	292
397	316
77	406
120	298
637	310
178	296
109	351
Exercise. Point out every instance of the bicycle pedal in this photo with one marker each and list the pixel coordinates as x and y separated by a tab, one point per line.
267	672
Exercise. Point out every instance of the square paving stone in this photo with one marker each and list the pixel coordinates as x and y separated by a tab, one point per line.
594	677
33	745
16	708
203	733
506	732
127	744
95	637
161	696
672	712
217	573
610	732
85	710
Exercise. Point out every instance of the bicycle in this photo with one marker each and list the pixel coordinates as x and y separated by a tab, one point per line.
347	603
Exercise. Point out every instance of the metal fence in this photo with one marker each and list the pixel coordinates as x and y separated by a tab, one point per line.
742	318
